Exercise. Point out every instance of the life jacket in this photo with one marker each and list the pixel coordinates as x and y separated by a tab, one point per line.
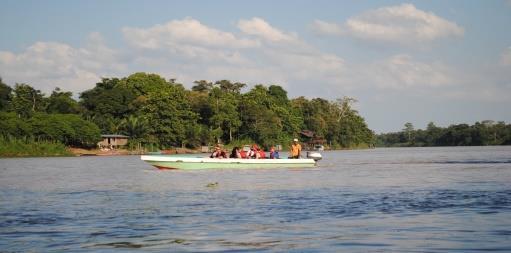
251	154
262	154
243	154
218	154
274	154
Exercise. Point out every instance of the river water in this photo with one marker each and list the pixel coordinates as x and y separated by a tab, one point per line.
455	199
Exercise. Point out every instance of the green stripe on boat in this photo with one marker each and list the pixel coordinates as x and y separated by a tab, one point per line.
198	163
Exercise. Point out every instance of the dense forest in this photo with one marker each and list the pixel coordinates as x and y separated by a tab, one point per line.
153	110
480	134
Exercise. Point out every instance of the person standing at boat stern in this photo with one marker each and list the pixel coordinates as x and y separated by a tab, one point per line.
218	153
296	149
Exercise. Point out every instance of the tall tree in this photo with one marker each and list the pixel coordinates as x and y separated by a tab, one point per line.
225	114
170	116
27	100
202	86
61	102
142	83
5	95
137	128
228	86
108	103
409	132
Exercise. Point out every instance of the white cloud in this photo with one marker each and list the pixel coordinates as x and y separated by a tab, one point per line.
186	49
261	28
325	28
47	65
402	72
305	66
402	24
260	54
280	57
191	41
188	32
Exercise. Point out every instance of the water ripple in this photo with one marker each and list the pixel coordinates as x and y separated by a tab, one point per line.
413	200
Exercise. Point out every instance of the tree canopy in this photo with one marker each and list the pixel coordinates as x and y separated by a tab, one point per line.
151	109
482	133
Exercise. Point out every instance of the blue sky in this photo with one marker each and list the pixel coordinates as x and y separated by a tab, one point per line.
416	61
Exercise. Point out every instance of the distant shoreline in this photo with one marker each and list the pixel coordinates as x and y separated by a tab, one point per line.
76	152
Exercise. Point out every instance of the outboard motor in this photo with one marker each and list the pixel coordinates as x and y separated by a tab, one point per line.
314	155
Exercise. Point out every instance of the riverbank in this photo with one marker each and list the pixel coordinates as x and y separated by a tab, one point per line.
11	147
114	152
31	148
26	147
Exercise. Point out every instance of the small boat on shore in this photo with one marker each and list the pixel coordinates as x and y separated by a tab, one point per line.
198	163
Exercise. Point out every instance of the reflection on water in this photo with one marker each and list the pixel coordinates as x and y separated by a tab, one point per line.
397	200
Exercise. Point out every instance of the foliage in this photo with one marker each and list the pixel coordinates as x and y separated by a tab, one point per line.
26	100
170	116
61	102
12	125
5	95
137	128
26	146
152	110
225	115
141	84
108	103
68	129
480	134
161	113
337	121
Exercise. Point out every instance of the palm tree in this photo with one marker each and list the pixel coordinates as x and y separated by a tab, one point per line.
136	128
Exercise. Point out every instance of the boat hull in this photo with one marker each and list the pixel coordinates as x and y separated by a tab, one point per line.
196	163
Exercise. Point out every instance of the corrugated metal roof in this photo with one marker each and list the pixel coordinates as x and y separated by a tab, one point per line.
114	136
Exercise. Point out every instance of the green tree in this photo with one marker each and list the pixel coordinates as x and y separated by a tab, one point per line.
61	102
225	114
13	126
68	129
5	95
202	86
354	131
134	127
432	134
170	115
27	100
228	86
108	103
137	128
141	84
200	104
290	117
336	121
260	121
409	131
279	95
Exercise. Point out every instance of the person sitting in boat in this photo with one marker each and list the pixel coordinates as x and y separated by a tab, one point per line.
295	149
253	153
244	154
274	154
261	153
218	153
235	153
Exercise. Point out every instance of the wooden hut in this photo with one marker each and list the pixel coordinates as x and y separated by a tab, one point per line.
112	141
311	140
